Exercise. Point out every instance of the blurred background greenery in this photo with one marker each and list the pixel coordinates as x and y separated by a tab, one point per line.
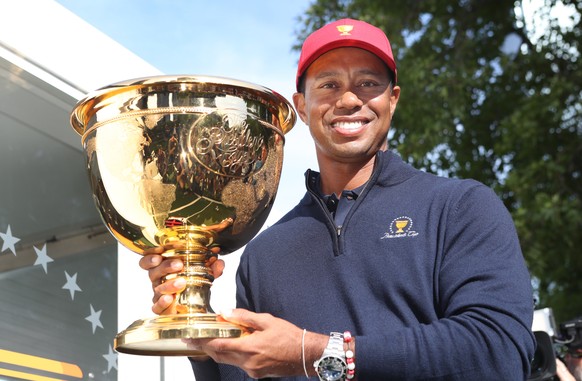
491	90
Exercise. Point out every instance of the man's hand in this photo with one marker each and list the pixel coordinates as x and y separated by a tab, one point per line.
562	372
269	346
159	267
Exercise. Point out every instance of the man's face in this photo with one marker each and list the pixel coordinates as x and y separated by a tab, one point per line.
347	104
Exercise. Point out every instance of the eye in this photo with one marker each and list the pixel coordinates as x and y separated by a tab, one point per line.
328	85
368	83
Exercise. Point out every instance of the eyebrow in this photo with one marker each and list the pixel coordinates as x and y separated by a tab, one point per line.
327	74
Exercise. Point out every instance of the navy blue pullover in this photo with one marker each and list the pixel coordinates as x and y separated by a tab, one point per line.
426	272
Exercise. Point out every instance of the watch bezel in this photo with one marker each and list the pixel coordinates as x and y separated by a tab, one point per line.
327	361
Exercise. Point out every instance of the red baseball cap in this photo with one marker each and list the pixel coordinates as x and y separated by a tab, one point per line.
345	33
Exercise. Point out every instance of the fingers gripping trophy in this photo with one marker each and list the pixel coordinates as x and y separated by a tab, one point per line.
188	163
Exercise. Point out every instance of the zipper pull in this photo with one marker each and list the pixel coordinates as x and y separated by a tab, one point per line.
339	230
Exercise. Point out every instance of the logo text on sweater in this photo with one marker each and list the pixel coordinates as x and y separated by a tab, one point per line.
400	227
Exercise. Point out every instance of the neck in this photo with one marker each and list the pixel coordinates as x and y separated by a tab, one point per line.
337	176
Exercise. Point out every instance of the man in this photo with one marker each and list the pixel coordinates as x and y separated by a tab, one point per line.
571	336
388	272
571	368
573	361
566	372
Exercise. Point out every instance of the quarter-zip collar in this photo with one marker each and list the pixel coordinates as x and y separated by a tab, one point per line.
389	170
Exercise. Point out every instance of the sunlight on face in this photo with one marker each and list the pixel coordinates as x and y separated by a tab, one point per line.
348	104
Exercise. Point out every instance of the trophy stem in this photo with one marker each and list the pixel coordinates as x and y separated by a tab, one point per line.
196	296
191	245
168	335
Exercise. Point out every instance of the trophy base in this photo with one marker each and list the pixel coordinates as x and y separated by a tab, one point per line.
168	335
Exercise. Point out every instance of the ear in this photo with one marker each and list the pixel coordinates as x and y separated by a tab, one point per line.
394	99
299	102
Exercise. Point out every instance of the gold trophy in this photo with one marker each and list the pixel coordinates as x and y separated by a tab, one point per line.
189	163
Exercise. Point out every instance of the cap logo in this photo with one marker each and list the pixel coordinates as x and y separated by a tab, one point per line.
344	29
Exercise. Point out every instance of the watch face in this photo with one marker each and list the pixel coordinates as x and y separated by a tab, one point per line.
331	369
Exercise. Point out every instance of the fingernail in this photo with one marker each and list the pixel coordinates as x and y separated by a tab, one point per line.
176	265
155	260
180	282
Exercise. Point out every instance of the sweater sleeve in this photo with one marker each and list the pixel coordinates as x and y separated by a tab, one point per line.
205	370
211	371
483	299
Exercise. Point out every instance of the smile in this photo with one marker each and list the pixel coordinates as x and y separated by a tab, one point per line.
348	126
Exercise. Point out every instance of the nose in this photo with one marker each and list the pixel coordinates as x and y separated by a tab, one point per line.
349	100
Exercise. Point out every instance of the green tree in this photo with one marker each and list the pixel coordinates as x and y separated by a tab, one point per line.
488	94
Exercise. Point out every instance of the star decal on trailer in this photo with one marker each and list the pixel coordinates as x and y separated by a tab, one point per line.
111	358
71	285
94	318
9	241
43	259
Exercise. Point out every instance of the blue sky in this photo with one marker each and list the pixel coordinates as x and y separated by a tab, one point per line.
246	40
251	39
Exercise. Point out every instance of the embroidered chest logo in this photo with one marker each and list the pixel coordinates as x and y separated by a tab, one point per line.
399	228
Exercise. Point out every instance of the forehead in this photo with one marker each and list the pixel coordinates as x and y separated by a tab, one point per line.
347	59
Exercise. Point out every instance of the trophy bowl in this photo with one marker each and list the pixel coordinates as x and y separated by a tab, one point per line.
189	163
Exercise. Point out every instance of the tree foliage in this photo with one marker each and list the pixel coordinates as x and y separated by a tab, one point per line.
488	94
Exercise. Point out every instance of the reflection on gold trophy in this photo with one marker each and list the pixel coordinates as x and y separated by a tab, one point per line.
189	163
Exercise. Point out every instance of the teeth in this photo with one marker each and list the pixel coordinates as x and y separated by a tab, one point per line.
348	125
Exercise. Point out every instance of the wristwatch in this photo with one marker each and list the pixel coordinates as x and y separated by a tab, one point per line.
332	365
